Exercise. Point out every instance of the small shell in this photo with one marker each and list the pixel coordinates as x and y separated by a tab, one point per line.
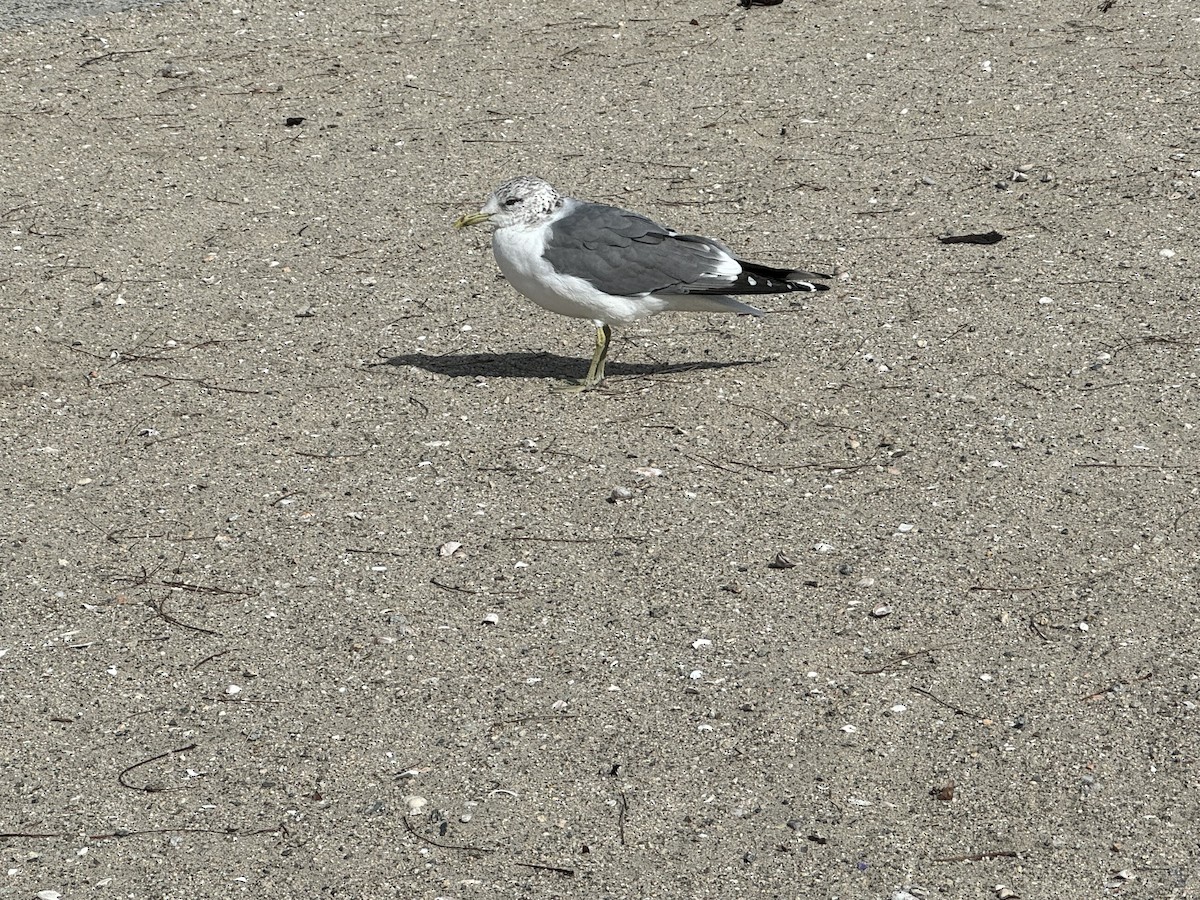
491	619
449	549
413	805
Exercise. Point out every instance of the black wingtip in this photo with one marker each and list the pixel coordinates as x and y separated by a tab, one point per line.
756	278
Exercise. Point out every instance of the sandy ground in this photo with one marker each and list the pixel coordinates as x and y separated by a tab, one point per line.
255	390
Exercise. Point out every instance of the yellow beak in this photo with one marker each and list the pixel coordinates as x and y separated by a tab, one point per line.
470	219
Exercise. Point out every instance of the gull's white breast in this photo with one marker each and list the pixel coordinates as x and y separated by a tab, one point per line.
518	250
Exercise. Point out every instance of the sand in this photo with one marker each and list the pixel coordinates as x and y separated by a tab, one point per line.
312	586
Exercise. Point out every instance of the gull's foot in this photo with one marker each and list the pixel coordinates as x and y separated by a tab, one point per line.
595	373
576	387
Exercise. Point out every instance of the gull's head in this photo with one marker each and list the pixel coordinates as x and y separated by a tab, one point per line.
522	201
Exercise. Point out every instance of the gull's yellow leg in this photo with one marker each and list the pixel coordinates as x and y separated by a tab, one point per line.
595	373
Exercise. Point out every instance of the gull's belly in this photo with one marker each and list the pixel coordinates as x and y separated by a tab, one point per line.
519	255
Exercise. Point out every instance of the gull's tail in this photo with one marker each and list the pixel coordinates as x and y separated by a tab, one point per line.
715	303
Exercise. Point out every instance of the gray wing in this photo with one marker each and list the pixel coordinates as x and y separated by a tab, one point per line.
625	254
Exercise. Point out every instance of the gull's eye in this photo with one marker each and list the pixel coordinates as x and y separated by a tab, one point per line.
512	201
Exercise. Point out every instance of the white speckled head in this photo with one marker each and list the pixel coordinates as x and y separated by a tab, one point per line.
522	201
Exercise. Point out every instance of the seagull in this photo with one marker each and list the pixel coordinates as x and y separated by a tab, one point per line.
613	267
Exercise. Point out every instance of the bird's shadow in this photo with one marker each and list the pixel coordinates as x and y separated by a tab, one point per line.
543	365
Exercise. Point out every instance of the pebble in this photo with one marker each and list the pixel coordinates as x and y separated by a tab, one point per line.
620	493
491	619
885	609
414	805
781	561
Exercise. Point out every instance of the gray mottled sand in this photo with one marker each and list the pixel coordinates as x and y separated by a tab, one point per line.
253	390
25	13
